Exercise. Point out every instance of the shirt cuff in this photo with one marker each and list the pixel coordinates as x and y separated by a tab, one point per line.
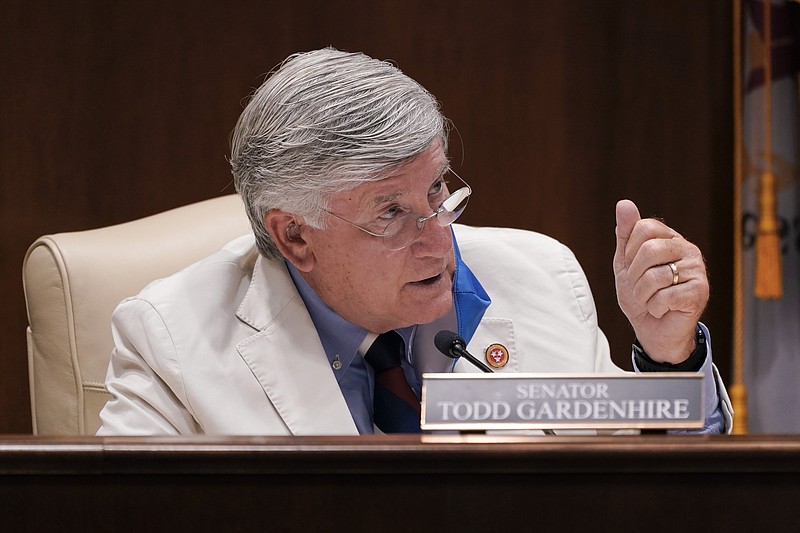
718	411
693	363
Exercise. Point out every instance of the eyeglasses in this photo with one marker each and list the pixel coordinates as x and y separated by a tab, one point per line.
406	228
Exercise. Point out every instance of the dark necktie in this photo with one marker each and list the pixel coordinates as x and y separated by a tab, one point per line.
396	408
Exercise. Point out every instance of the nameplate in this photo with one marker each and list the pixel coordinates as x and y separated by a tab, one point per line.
478	402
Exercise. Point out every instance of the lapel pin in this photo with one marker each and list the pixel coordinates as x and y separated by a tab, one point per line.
497	355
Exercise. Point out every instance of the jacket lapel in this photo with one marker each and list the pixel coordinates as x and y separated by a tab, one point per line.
287	358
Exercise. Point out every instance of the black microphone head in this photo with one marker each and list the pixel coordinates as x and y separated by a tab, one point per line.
447	340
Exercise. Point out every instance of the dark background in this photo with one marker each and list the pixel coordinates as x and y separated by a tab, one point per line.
113	110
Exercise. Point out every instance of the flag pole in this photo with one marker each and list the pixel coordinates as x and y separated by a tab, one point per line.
738	390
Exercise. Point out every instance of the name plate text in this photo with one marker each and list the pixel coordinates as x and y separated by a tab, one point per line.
477	402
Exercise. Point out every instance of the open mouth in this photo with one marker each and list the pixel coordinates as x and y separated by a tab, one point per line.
431	280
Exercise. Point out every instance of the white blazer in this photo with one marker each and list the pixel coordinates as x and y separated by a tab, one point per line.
226	346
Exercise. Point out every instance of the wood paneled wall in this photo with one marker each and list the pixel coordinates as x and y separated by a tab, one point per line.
114	110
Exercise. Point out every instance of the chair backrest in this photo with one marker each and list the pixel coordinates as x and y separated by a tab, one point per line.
73	281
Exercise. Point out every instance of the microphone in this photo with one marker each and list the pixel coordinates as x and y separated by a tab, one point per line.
450	344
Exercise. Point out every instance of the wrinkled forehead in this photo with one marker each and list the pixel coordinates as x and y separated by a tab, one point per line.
412	178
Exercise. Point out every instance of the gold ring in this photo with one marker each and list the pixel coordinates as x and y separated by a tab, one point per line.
675	276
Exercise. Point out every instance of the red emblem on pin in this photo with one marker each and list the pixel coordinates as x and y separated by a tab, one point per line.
497	355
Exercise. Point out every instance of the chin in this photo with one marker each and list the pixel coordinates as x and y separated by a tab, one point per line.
433	309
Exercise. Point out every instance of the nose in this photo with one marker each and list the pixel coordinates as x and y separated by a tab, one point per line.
434	241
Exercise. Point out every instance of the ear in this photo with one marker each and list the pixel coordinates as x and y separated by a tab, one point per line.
286	231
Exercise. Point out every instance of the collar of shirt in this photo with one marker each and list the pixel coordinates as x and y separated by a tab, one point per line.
341	340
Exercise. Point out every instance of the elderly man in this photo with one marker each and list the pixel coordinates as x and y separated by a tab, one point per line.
322	322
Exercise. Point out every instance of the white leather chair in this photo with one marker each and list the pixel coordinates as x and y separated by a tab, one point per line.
73	281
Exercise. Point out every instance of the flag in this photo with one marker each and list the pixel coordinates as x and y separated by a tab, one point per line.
771	326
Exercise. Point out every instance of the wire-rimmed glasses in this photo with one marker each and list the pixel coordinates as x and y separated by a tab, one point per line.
405	229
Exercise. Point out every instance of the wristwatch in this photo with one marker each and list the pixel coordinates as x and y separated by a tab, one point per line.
692	364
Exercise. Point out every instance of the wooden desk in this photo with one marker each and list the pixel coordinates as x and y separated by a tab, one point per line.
643	483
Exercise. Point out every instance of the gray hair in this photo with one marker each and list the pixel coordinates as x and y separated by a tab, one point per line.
326	121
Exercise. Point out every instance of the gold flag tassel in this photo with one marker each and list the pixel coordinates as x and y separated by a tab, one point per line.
769	275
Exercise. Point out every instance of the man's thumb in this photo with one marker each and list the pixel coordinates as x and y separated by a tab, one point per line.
627	217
